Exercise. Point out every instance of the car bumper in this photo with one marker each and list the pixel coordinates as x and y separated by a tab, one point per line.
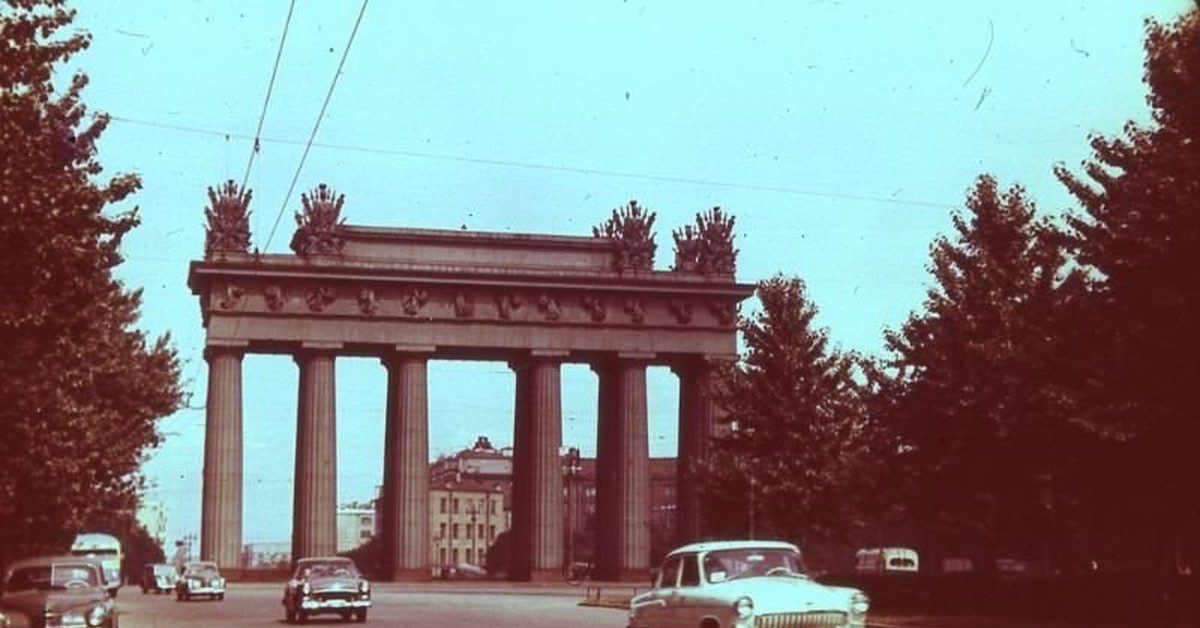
309	605
205	591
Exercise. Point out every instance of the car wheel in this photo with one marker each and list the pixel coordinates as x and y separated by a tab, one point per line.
360	615
220	596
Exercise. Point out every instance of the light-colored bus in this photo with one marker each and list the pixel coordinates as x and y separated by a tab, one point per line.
104	547
887	560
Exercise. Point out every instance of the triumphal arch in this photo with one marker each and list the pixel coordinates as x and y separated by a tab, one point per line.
408	296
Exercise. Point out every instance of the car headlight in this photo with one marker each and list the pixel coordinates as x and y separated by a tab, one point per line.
218	582
859	603
743	607
96	616
364	586
305	589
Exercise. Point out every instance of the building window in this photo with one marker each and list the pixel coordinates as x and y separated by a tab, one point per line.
480	531
455	506
364	534
470	535
491	508
454	555
491	531
442	555
365	521
442	533
454	532
443	505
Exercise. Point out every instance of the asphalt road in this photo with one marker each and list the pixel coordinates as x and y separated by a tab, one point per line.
433	606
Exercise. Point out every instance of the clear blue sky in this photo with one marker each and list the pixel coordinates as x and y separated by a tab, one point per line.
840	133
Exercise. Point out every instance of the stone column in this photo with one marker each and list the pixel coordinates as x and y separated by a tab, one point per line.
697	427
405	510
537	469
314	515
623	471
221	508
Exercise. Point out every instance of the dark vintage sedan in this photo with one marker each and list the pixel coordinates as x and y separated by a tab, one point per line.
331	586
743	584
200	579
56	591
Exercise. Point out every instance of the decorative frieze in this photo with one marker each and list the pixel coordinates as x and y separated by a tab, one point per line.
232	296
681	310
368	302
549	307
413	300
508	303
595	308
275	297
319	298
635	310
463	307
725	313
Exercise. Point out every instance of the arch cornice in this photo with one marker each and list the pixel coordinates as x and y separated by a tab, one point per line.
466	293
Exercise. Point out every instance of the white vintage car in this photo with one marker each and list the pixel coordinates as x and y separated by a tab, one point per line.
330	585
743	584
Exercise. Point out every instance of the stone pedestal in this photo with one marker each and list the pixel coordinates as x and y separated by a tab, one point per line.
221	506
314	516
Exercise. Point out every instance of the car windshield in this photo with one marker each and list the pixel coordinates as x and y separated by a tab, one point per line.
327	569
200	569
164	570
48	577
722	565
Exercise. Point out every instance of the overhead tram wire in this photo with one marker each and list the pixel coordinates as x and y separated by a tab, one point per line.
553	168
267	100
316	125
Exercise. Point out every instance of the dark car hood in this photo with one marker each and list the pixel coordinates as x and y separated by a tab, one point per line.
36	603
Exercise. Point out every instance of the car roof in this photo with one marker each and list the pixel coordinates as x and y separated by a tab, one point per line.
44	561
709	546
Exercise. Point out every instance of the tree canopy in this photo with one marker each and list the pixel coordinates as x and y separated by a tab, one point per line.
83	388
795	427
1139	237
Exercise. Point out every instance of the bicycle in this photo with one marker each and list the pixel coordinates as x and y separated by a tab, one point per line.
575	573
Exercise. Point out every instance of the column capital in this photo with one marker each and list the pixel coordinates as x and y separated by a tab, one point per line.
538	356
235	349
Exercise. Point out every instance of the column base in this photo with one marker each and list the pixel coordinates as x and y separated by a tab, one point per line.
412	575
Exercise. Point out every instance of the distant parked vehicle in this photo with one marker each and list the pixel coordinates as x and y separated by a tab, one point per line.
887	560
200	579
105	548
158	578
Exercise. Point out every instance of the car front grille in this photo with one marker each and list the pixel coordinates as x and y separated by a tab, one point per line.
327	596
820	619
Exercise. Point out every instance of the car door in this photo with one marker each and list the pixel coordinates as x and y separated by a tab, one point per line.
653	613
684	606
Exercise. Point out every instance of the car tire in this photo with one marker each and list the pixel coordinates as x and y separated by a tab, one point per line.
220	596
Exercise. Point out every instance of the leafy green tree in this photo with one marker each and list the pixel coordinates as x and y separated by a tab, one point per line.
983	391
82	387
1139	238
789	462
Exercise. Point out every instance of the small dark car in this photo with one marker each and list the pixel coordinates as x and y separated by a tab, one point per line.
158	578
57	591
330	585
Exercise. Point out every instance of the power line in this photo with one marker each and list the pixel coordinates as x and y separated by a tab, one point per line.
317	125
548	167
270	88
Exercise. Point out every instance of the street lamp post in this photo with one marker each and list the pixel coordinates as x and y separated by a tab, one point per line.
573	466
